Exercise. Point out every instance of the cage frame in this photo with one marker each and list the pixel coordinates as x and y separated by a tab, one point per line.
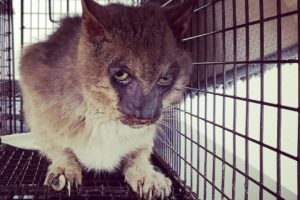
208	65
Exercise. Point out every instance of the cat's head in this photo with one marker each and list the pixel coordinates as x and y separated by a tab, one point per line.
131	61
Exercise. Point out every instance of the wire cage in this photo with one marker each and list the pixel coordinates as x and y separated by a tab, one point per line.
234	135
237	133
7	93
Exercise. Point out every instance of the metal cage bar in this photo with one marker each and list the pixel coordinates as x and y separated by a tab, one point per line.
220	62
218	139
7	93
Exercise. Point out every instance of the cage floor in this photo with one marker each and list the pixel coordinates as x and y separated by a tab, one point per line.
23	172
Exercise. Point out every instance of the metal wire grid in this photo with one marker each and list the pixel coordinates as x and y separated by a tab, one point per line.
186	149
40	18
22	174
7	95
230	43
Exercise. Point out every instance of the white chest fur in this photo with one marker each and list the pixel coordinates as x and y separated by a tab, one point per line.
108	143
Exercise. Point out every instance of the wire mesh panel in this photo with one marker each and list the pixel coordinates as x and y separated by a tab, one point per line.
235	135
22	174
236	132
7	95
40	18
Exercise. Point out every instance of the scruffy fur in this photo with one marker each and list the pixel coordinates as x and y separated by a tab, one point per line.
71	105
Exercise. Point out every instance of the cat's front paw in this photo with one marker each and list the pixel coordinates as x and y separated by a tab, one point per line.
59	177
148	184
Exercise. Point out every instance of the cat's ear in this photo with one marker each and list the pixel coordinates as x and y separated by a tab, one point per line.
92	25
179	16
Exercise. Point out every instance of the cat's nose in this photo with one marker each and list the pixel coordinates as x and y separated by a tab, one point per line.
135	105
143	113
148	110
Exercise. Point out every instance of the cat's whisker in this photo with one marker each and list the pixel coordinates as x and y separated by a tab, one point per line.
169	115
168	111
163	141
164	134
166	140
98	117
165	124
102	112
99	112
93	118
168	108
171	122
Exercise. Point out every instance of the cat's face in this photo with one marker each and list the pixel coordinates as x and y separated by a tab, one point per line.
131	62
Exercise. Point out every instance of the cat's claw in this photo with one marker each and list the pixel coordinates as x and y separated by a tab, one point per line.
148	185
77	187
150	194
140	189
163	195
69	188
59	178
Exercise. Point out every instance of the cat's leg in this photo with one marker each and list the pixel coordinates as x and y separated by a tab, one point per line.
143	179
64	171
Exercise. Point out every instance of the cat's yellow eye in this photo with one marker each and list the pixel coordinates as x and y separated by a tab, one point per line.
165	80
121	75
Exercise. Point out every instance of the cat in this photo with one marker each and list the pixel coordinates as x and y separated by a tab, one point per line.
95	90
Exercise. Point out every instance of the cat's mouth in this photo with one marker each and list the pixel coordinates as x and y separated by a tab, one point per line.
134	122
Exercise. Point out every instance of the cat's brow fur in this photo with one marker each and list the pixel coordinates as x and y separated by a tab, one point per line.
69	101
